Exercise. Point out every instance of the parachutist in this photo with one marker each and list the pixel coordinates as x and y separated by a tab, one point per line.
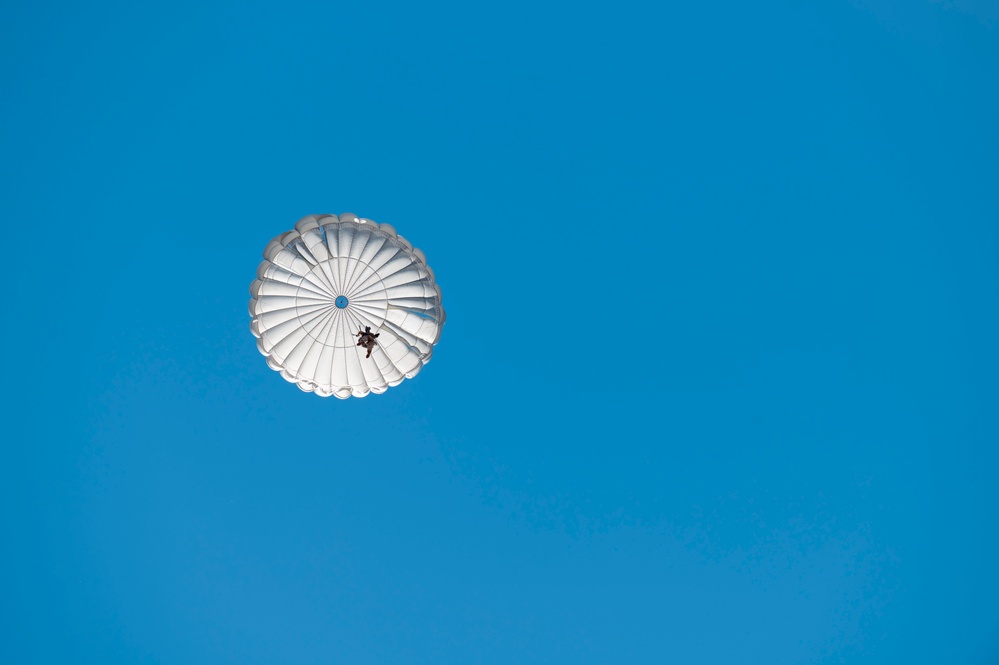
367	339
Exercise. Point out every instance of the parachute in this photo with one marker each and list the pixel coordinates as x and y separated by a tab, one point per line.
318	288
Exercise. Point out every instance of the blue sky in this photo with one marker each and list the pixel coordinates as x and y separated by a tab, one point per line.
717	383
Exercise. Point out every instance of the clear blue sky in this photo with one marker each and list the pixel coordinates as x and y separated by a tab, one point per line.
717	385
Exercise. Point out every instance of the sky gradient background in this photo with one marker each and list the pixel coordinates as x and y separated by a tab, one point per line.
717	384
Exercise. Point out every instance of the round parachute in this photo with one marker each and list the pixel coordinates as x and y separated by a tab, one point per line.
318	289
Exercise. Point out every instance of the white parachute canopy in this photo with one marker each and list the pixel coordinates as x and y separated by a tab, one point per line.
330	278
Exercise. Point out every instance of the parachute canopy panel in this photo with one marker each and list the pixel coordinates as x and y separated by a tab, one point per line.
326	280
